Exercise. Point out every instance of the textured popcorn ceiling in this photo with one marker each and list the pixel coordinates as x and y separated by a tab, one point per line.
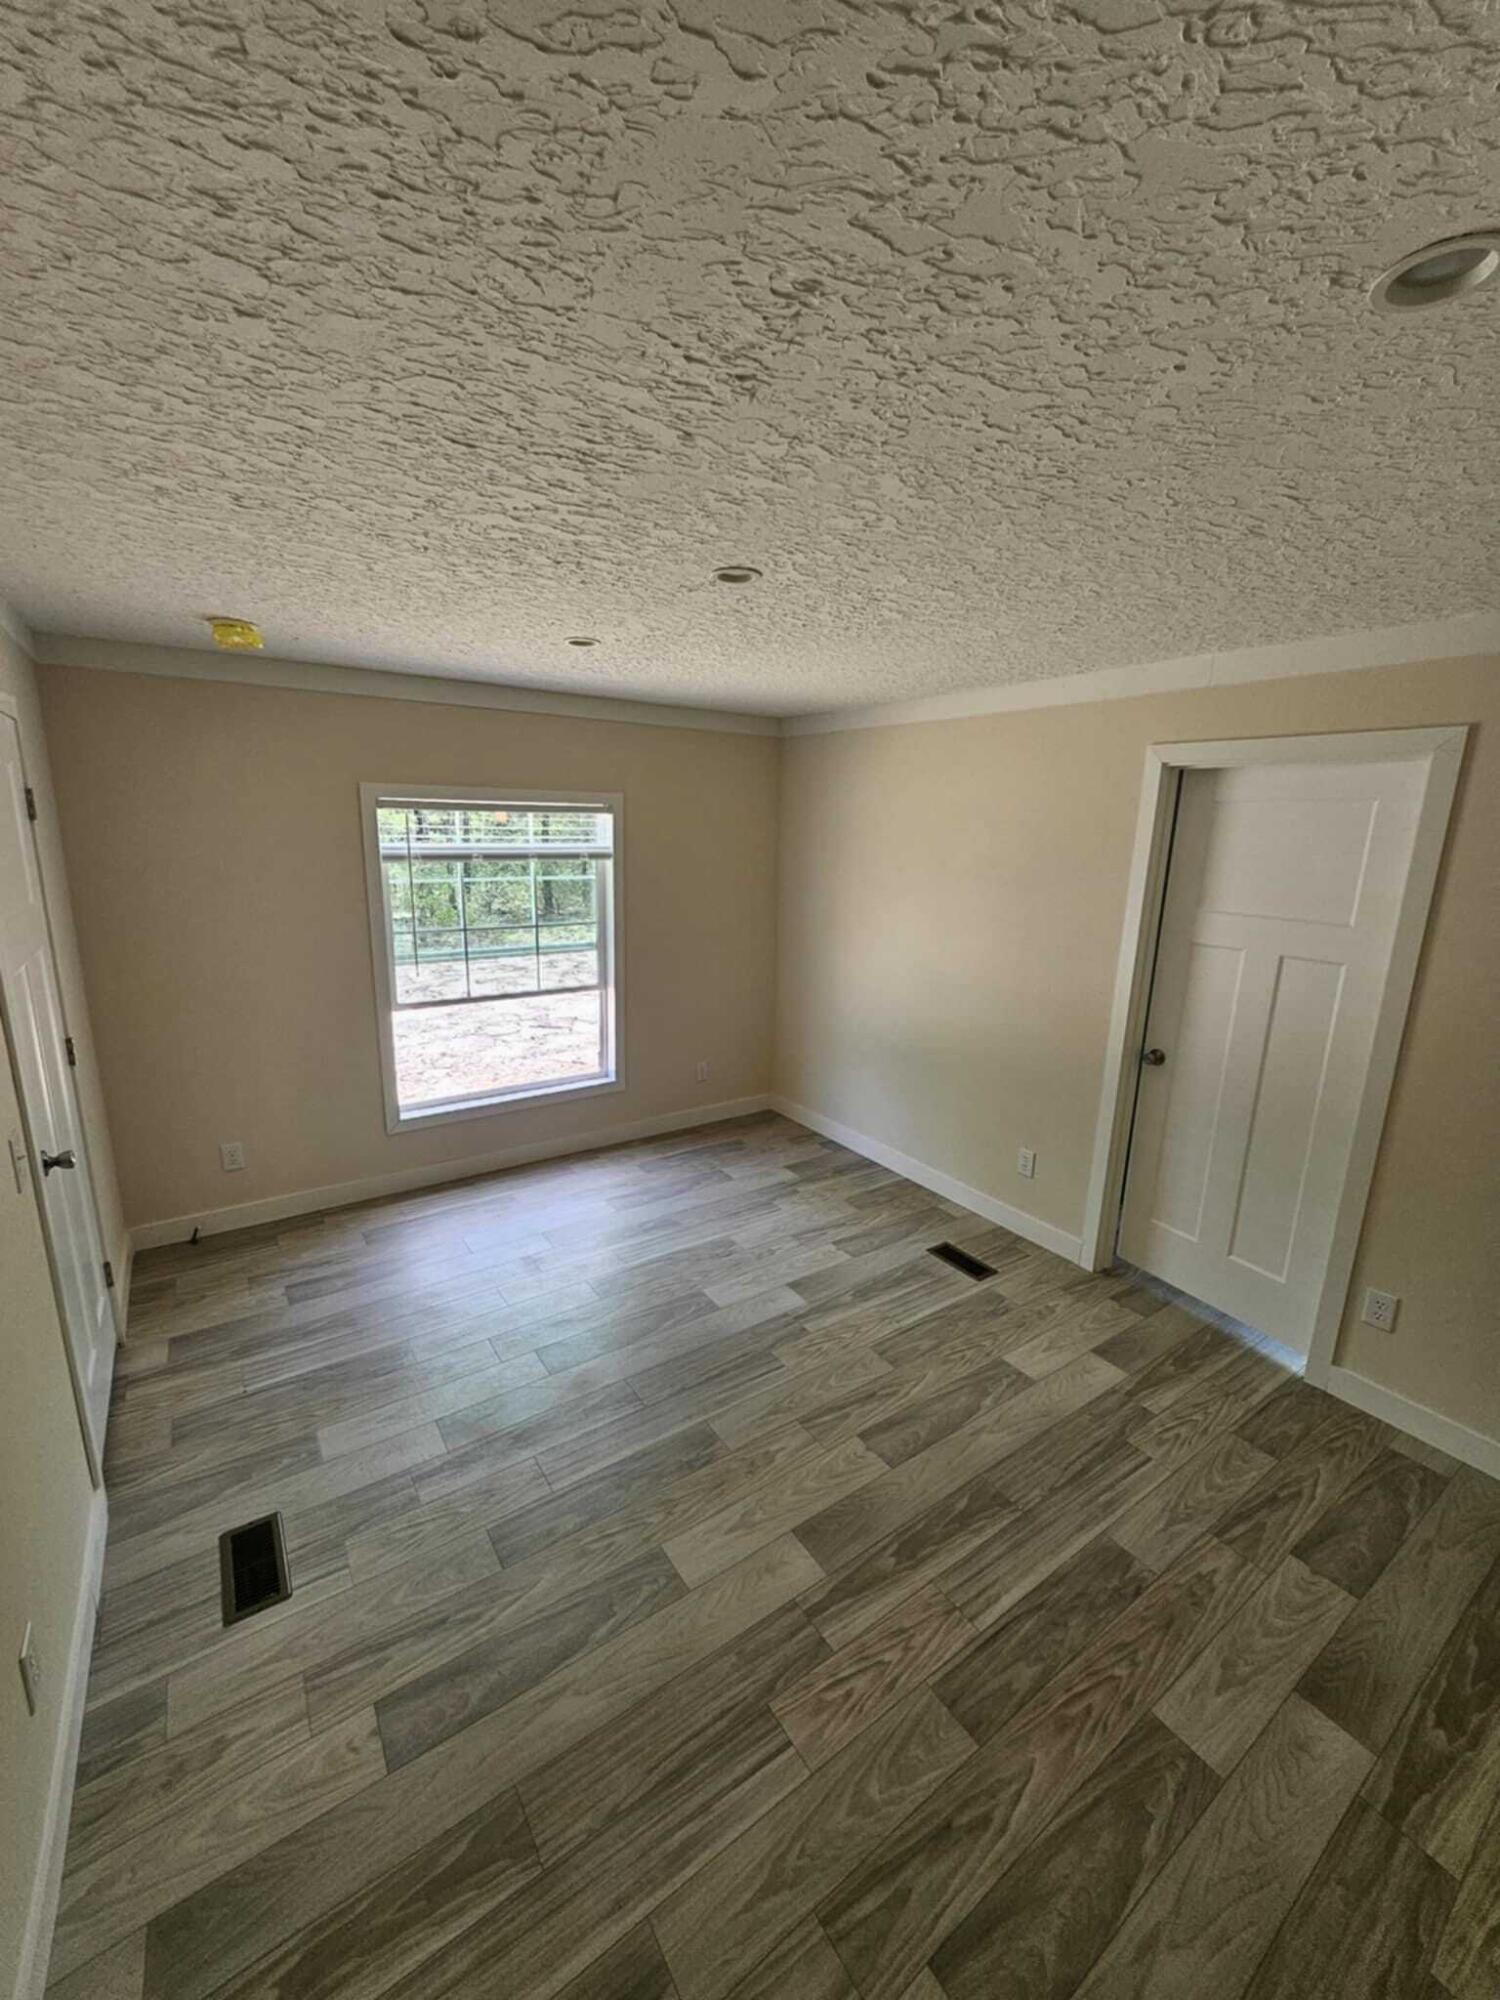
1010	338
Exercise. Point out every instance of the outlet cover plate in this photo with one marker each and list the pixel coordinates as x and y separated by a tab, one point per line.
1380	1309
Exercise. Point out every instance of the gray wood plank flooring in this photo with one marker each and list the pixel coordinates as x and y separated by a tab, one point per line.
701	1593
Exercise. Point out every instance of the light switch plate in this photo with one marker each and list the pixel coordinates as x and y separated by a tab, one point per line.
1026	1163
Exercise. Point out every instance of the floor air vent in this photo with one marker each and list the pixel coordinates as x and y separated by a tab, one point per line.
972	1267
252	1568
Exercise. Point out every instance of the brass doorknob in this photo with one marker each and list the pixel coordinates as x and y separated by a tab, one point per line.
1154	1057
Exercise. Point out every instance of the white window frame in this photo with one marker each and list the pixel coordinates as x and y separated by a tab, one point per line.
528	1096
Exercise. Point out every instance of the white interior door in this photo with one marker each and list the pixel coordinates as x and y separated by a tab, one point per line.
55	1154
1281	907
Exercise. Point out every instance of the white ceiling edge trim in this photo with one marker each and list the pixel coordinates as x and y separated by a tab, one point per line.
1386	646
1469	633
259	670
14	626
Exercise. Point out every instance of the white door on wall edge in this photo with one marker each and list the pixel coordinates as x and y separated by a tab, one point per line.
1283	893
55	1156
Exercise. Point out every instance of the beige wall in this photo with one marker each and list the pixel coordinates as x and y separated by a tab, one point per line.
952	896
45	1494
950	912
213	836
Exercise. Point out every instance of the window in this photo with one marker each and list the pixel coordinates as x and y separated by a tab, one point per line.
494	924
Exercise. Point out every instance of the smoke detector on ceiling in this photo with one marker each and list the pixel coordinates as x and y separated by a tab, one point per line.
1441	271
236	635
737	573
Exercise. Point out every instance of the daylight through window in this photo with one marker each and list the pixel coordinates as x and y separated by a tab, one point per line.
498	947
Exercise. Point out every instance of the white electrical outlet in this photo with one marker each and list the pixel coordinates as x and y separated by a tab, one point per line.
703	1072
232	1155
1380	1309
1026	1164
31	1670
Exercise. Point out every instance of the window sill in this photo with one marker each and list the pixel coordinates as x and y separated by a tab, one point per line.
503	1101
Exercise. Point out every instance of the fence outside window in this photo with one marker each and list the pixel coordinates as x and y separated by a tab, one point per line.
494	928
484	904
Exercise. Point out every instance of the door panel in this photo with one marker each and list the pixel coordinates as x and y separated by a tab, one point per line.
37	1034
21	908
37	1031
1302	859
1292	875
1202	1036
1304	1013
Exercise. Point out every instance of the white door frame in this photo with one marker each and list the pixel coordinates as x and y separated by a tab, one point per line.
11	707
1441	750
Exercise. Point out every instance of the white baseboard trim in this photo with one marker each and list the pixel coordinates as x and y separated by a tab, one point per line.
124	1265
340	1194
1473	1447
36	1941
1046	1234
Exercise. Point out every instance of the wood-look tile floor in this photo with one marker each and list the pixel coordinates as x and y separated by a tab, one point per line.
701	1592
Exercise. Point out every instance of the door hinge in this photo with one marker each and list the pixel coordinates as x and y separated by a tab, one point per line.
30	803
72	1052
109	1276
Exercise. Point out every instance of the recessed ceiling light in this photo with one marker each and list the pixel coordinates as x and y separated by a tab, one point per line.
1441	271
736	573
236	635
583	642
